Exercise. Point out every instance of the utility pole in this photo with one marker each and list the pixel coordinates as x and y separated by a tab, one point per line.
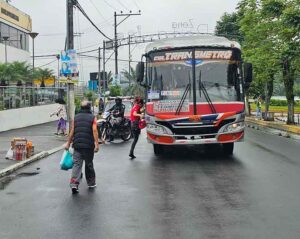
129	60
70	25
116	44
116	24
104	75
99	71
70	45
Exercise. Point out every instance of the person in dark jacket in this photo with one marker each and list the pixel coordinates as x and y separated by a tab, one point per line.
84	136
118	111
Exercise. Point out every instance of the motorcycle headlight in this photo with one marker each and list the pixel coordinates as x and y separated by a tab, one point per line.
234	127
156	129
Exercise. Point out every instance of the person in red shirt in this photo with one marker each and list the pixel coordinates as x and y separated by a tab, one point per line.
135	116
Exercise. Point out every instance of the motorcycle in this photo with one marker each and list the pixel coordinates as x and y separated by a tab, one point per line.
109	131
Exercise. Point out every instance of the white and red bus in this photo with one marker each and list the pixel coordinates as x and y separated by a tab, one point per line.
195	91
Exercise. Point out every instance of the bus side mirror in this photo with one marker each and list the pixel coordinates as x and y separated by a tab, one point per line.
140	68
248	74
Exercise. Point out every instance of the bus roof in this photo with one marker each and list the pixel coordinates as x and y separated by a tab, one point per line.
192	41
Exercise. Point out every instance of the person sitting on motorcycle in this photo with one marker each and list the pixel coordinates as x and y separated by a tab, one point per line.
117	111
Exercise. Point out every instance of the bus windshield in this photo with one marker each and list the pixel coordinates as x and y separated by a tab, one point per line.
169	75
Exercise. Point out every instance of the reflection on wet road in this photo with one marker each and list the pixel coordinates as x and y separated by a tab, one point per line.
186	193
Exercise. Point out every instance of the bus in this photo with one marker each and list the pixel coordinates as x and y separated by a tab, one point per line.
195	88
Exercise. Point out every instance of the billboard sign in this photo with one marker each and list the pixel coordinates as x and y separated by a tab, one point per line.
69	66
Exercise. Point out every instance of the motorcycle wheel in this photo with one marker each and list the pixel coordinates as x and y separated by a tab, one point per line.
105	134
127	134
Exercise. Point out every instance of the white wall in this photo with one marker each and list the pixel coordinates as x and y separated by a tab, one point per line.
13	54
23	117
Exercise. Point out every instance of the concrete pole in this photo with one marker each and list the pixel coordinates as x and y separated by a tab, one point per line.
104	75
71	105
129	60
99	70
116	44
70	46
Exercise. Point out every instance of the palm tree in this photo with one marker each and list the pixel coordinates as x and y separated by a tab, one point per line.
43	74
15	72
134	87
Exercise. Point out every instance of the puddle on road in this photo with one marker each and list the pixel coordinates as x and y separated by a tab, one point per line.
7	179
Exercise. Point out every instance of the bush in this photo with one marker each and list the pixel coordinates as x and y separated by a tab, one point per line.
278	102
281	102
115	90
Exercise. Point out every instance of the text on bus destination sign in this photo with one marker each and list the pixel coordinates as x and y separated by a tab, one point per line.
177	56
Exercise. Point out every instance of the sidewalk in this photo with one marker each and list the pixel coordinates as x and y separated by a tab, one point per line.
42	136
277	127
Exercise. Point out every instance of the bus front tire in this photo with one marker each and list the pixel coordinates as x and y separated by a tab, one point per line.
228	148
158	149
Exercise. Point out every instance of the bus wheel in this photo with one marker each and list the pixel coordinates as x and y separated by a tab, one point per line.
228	148
158	149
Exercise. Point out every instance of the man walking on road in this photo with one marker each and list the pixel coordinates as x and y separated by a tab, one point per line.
84	136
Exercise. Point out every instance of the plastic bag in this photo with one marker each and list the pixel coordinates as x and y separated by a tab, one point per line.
66	161
9	154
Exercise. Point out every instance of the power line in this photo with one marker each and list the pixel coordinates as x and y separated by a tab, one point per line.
108	4
97	9
136	4
123	5
49	63
87	17
111	59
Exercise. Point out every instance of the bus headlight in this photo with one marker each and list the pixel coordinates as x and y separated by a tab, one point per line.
156	129
234	127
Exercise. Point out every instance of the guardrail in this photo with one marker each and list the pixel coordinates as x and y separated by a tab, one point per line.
13	97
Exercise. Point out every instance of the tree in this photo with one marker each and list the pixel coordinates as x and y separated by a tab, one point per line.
43	74
115	90
228	26
134	87
14	72
284	16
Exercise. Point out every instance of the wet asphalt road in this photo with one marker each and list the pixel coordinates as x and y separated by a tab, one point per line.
186	193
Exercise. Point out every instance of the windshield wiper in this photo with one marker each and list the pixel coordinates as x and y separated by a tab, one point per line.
187	89
201	87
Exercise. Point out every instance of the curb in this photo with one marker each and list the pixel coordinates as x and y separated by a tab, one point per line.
34	158
287	128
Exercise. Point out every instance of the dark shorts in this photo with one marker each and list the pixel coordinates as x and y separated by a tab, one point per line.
62	124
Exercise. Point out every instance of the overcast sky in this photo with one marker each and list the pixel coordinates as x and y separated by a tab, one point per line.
49	20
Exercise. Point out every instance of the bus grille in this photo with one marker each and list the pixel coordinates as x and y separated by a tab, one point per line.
204	129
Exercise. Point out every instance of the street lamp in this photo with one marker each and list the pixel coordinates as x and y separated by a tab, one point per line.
33	35
5	42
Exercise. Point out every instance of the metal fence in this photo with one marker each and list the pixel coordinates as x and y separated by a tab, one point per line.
12	97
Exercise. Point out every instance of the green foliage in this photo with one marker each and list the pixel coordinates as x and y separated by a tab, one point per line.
134	88
297	90
14	72
77	104
115	90
271	43
228	26
275	102
89	95
22	72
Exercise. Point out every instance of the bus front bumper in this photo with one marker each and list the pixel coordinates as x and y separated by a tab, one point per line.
195	139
